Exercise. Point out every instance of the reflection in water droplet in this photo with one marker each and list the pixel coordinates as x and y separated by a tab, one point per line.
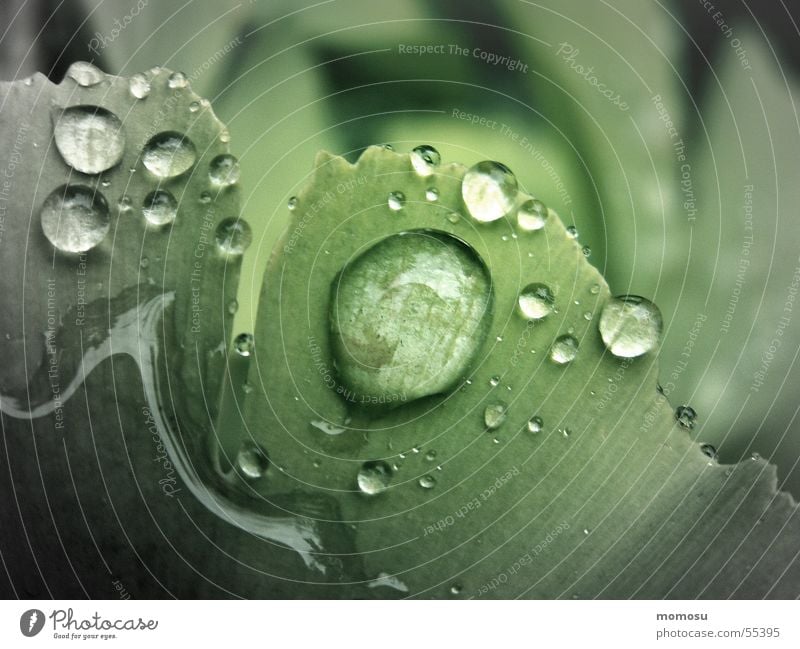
139	86
169	154
292	204
685	416
532	215
432	194
177	80
535	424
233	236
489	190
564	350
709	451
374	477
572	232
224	170
495	414
396	201
244	344
536	301
75	218
160	208
587	251
494	381
251	460
427	482
630	326
408	315
85	74
89	138
425	159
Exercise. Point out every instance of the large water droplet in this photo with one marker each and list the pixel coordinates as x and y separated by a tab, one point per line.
536	301
630	326
685	416
75	218
564	350
396	201
169	154
139	86
160	208
89	138
85	74
233	236
252	460
224	170
408	316
532	215
374	477
425	159
489	190
535	424
495	414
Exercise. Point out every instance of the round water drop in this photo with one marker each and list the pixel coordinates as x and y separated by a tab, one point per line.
85	74
124	204
630	326
564	350
494	381
177	80
233	236
160	208
685	416
75	218
252	460
535	424
432	194
427	482
536	301
408	315
489	190
532	215
587	251
194	106
430	456
709	451
89	138
169	154
205	198
139	86
224	170
233	306
454	217
244	344
595	289
495	415
397	201
292	204
374	477
455	589
572	232
425	159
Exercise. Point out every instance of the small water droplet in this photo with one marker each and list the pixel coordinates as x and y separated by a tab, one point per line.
564	350
160	208
709	451
224	170
89	138
233	307
630	326
194	106
85	74
685	416
587	251
535	424
139	86
374	477
587	315
495	415
252	460
396	201
177	80
144	262
425	159
565	432
169	154
292	204
586	531
572	232
224	136
489	190
75	218
454	217
233	236
595	289
427	482
205	198
388	147
494	381
455	589
430	456
432	194
532	215
124	204
536	301
244	344
247	388
28	81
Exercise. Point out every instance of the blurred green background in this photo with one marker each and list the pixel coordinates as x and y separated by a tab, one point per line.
667	133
